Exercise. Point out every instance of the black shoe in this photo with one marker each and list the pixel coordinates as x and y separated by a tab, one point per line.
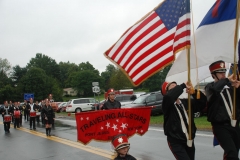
49	135
8	131
30	128
34	129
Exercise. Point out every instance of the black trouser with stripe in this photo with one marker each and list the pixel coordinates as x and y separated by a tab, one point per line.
6	126
32	122
181	151
229	139
26	115
16	122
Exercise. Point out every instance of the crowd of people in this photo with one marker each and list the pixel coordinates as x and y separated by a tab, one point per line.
28	111
218	97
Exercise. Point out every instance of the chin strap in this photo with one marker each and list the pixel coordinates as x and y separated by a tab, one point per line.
214	73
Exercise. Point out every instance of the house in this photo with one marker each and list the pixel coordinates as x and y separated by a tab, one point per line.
69	91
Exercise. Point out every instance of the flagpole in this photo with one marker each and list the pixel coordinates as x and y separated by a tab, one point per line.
235	58
189	98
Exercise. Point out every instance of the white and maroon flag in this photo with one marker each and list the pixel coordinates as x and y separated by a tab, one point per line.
151	43
103	125
214	41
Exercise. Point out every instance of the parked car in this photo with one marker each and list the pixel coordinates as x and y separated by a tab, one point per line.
80	104
148	99
62	107
99	105
139	93
125	99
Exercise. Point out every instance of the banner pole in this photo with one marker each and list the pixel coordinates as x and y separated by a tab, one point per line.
235	59
189	97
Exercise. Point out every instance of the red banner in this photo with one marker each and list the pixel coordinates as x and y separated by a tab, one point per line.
103	125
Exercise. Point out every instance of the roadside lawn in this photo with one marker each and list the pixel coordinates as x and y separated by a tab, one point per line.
201	122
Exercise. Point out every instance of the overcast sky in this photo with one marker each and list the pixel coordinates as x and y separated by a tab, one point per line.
72	30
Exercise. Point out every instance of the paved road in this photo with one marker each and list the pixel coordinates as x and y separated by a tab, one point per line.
153	145
25	144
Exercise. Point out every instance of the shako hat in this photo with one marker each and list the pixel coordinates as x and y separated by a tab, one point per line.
120	141
165	86
218	66
111	91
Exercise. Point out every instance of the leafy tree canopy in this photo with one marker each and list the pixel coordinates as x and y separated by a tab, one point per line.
46	63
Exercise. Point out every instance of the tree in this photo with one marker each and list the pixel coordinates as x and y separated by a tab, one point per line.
38	82
46	63
106	75
7	93
87	67
119	80
154	82
66	69
82	81
5	66
18	73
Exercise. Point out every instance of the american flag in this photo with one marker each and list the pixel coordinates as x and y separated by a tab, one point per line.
150	44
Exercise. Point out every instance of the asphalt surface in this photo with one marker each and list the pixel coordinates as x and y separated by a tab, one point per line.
25	144
153	145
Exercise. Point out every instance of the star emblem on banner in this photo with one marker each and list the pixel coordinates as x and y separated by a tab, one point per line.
117	120
120	131
124	125
81	118
108	125
102	128
87	118
114	126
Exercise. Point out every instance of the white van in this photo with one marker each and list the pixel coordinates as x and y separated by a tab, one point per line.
80	104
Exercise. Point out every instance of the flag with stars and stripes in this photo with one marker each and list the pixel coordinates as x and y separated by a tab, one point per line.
103	125
151	43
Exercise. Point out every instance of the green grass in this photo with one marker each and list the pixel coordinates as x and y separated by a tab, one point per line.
200	122
156	119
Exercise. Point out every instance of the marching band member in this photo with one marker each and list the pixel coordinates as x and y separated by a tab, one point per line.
21	113
220	108
11	105
176	119
6	112
51	100
31	107
42	115
122	146
26	114
16	115
49	116
111	103
37	110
